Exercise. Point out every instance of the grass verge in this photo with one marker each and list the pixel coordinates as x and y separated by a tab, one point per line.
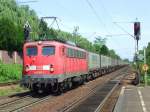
9	90
10	72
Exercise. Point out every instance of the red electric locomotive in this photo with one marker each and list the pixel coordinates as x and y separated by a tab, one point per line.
52	65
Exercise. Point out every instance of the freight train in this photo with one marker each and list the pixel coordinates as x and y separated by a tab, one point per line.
56	66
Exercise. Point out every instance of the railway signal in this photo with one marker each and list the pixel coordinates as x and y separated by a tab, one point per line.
136	36
137	31
27	29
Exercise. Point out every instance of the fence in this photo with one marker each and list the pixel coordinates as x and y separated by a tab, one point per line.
10	57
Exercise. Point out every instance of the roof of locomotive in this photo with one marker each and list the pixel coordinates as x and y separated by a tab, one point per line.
58	43
52	42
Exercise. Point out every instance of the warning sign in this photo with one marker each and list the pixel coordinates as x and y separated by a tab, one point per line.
145	67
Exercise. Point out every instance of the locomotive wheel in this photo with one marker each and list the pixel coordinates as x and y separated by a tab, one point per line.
55	88
58	89
65	86
34	89
88	77
47	89
69	85
83	80
100	73
93	76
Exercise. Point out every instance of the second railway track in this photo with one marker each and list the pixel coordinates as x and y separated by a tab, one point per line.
9	83
22	103
94	101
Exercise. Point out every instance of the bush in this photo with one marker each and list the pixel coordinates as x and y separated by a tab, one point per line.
10	72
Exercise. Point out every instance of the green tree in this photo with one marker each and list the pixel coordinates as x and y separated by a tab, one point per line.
148	55
43	30
13	18
8	34
99	43
104	50
126	60
113	54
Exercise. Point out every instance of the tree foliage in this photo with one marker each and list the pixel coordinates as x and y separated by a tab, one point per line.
104	50
148	55
8	34
141	62
12	20
113	54
99	45
13	17
126	60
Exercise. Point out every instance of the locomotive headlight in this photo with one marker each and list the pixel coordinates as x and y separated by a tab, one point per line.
51	68
40	42
27	67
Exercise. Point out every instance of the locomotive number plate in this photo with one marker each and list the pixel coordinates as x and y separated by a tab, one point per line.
38	72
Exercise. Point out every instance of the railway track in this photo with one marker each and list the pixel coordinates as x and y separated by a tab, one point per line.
13	98
94	101
9	83
28	100
22	103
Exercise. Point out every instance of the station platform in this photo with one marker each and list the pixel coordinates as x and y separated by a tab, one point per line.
133	99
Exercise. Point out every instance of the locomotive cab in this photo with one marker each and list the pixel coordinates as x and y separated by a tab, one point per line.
39	59
40	66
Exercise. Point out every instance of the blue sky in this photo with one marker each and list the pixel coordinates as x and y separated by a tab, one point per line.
78	13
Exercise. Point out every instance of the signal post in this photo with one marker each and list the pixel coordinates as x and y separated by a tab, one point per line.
137	34
145	67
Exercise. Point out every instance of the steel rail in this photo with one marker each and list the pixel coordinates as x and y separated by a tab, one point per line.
93	91
9	83
20	104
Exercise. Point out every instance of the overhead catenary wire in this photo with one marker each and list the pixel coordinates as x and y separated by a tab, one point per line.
23	2
105	9
123	29
65	9
112	35
97	15
111	21
66	26
115	23
54	20
59	4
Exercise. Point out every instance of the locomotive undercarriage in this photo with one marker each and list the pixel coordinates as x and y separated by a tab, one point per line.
53	85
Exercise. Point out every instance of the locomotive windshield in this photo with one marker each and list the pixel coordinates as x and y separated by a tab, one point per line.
48	50
32	51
